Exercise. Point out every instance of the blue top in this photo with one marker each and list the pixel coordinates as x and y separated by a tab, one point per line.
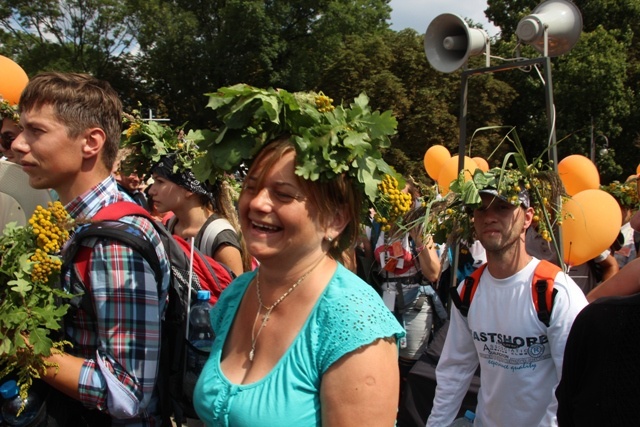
349	314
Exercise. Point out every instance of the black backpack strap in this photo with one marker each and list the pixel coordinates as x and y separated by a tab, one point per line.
127	234
544	312
463	303
376	229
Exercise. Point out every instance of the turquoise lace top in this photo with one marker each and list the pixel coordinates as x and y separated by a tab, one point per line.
348	315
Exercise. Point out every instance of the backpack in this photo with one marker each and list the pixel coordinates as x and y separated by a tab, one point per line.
542	291
366	267
208	274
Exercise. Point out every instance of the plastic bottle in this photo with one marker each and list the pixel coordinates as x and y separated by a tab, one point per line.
34	413
465	421
201	338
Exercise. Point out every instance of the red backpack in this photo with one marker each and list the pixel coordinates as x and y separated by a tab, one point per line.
207	274
542	292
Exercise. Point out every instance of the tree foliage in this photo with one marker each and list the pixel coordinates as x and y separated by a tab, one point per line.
166	54
70	35
595	85
190	48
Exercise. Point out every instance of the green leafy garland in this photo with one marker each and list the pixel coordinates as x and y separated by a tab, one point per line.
147	141
8	110
625	193
449	219
329	140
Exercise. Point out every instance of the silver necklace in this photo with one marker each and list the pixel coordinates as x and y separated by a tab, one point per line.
265	318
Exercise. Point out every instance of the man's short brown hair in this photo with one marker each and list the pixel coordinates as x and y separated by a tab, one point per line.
80	102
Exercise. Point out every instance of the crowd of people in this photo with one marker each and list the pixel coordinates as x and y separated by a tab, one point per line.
301	339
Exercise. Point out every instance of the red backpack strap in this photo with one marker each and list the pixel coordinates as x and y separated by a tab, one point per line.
542	291
115	211
463	299
112	212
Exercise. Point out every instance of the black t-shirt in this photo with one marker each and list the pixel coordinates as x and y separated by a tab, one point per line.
600	381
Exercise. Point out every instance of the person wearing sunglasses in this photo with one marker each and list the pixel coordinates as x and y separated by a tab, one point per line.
9	130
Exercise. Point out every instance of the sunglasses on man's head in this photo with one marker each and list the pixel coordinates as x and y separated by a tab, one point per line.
6	139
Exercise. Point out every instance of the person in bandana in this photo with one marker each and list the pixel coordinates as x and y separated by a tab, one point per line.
201	210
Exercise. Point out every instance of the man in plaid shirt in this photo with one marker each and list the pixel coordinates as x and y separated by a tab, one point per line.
72	125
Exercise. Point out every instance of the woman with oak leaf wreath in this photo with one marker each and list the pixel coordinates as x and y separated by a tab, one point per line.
301	340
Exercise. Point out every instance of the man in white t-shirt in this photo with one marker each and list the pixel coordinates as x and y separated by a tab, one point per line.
520	357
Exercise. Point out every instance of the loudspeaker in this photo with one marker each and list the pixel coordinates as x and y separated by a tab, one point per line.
562	21
449	42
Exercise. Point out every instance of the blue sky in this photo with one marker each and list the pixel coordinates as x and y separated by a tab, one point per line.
417	14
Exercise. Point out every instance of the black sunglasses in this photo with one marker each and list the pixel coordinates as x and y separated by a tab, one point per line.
6	139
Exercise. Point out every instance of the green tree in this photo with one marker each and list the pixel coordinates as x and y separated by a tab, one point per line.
69	35
392	68
190	48
598	80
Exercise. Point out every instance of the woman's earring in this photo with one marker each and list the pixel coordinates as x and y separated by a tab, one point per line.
329	239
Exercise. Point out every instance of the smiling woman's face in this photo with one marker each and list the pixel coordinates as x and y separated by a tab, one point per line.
277	218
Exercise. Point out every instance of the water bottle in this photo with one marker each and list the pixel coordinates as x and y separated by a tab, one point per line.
34	413
465	421
200	338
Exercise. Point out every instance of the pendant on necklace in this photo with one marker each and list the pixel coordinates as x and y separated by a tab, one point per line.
251	353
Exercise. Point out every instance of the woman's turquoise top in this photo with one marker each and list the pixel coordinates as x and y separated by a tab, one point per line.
348	315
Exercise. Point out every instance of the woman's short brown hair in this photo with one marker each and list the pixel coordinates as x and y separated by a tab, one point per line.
328	197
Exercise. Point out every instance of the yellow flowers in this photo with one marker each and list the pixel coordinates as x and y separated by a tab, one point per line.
50	229
133	129
392	203
43	266
323	103
50	226
32	300
625	193
545	235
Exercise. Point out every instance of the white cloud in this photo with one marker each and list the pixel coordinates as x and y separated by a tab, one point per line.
418	14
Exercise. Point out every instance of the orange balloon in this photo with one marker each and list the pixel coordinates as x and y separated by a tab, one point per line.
578	173
591	222
483	165
434	158
13	80
449	172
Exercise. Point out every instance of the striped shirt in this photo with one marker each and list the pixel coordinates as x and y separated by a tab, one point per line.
121	345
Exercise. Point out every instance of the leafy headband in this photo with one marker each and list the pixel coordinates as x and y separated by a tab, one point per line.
148	142
625	193
329	140
449	218
9	111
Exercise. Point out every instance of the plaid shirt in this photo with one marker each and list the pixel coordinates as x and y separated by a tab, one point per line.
123	340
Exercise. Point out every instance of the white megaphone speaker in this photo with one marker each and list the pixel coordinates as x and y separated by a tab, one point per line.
449	42
562	22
